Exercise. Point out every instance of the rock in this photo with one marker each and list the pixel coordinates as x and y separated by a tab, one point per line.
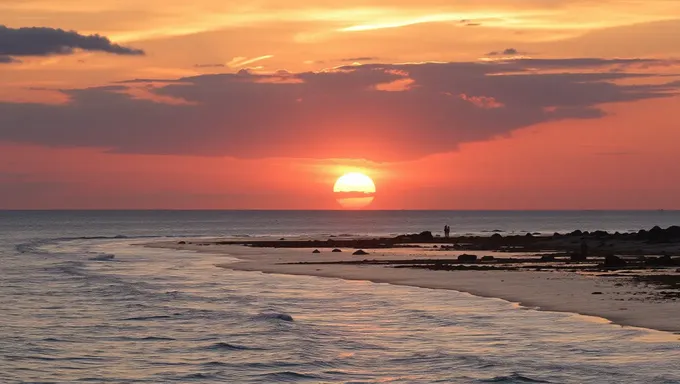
360	252
488	258
316	251
614	261
596	293
548	258
336	250
496	236
181	242
467	258
282	239
421	237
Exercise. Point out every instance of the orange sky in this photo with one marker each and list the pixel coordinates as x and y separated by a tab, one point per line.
527	104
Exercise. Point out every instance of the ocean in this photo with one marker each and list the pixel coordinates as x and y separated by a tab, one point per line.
69	315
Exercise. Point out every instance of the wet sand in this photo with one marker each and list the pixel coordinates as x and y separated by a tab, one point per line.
619	298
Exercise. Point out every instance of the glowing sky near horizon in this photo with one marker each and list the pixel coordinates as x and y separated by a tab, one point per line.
526	104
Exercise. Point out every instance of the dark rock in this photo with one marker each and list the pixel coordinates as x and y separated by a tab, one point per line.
488	258
548	258
576	233
596	293
336	250
467	258
316	251
181	242
664	261
496	236
614	261
360	252
282	239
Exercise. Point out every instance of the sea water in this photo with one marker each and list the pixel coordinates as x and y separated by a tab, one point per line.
81	302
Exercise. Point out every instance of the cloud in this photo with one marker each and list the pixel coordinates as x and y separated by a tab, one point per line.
209	65
336	113
41	41
505	52
7	60
361	58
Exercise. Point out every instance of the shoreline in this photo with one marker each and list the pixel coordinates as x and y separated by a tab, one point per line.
615	299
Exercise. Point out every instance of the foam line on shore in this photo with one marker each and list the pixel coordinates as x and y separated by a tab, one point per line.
622	304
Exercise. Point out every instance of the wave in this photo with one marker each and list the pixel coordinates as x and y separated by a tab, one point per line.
143	318
103	257
288	376
274	316
513	378
157	338
222	346
35	245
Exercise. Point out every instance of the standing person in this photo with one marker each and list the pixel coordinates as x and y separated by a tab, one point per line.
447	230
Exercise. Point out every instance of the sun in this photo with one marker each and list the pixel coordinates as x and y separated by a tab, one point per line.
354	190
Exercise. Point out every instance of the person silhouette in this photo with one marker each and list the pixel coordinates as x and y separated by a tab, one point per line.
447	230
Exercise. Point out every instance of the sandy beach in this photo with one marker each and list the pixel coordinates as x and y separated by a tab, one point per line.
618	299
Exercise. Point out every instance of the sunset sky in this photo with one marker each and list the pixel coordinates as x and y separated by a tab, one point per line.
263	104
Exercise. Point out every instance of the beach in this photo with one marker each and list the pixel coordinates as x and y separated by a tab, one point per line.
617	298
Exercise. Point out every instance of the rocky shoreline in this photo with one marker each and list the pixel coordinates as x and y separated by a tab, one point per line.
650	257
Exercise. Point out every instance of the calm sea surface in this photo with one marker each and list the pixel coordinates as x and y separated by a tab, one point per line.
156	316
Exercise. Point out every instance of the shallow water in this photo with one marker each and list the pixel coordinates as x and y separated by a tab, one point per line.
157	316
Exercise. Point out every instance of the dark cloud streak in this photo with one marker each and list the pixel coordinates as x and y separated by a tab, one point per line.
42	41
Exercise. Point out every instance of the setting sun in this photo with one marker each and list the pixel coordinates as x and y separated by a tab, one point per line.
354	190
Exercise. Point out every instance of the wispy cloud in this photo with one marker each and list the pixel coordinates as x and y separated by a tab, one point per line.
242	61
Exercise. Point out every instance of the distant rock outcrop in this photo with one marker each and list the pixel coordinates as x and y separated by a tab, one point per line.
421	237
614	261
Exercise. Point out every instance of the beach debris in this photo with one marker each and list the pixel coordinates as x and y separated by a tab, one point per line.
465	258
336	250
360	252
316	251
